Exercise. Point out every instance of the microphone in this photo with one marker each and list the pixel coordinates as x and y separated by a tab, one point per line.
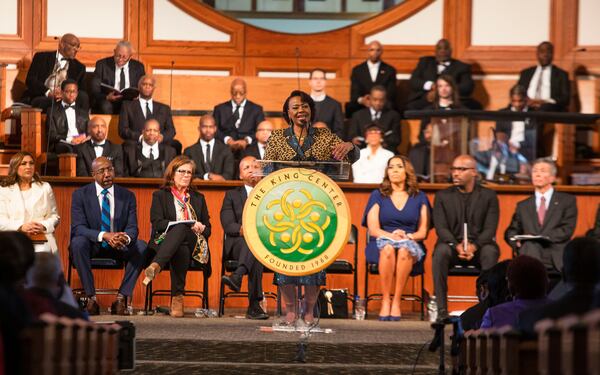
171	86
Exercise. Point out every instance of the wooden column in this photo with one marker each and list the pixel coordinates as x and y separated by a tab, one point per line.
67	165
33	134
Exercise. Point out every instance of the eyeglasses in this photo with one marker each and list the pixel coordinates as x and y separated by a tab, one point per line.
105	170
183	172
460	169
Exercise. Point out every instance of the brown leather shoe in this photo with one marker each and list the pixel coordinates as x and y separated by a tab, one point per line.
177	306
151	272
119	307
92	307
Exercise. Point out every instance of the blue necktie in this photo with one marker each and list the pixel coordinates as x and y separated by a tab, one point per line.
105	224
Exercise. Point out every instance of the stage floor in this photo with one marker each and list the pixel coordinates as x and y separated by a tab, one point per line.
231	345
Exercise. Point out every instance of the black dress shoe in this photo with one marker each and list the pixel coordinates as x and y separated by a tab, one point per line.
119	307
233	281
255	312
92	307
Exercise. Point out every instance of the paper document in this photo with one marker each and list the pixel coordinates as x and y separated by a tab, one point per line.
187	222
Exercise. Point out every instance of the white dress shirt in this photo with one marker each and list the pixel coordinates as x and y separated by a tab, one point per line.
143	105
203	144
146	150
543	74
239	120
538	198
71	122
118	75
111	198
375	115
517	132
373	69
318	97
248	189
370	168
97	149
261	149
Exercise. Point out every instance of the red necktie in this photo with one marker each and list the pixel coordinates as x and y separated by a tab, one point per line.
542	210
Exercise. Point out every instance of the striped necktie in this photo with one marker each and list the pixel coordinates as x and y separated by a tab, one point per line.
105	223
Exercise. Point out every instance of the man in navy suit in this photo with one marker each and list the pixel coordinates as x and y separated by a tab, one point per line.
373	72
119	71
104	222
238	118
49	69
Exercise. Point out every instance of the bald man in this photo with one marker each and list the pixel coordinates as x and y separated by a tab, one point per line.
263	132
237	118
430	68
49	69
373	72
149	157
98	145
465	202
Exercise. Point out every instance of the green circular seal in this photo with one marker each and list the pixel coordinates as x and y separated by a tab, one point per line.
296	221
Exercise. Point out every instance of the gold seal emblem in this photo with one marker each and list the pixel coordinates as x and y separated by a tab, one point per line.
296	221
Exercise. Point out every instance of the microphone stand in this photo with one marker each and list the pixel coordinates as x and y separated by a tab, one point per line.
50	115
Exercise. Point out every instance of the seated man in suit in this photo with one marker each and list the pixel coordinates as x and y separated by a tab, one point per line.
430	68
547	85
104	222
67	124
327	109
464	203
377	112
237	118
148	157
550	214
49	69
520	135
581	260
119	71
235	246
370	167
214	160
373	72
98	146
257	149
135	113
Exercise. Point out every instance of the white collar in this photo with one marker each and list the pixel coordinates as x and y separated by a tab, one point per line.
204	143
242	104
144	101
145	145
62	102
59	57
111	189
248	189
318	97
126	66
372	64
97	143
547	195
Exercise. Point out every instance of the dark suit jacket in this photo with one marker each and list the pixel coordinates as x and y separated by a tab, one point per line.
105	73
361	83
163	210
329	111
531	134
42	66
252	116
221	161
577	301
86	155
58	127
482	218
131	120
559	222
389	122
560	90
231	216
252	150
86	215
426	70
131	153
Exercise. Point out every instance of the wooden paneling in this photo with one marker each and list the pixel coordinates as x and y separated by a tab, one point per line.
357	195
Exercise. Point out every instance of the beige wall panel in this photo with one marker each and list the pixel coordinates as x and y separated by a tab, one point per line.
87	18
171	23
8	17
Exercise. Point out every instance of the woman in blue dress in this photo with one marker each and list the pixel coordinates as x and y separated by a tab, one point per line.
397	216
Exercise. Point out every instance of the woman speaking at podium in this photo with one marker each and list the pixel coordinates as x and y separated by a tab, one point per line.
303	142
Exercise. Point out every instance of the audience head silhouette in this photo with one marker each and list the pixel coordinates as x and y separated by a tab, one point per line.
581	261
527	278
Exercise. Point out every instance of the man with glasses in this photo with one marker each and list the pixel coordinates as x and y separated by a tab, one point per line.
49	69
214	160
104	223
148	157
368	74
465	217
119	71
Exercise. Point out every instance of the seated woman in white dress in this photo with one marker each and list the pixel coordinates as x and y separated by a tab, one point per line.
27	203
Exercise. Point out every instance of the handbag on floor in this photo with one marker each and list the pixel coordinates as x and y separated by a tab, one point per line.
333	304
